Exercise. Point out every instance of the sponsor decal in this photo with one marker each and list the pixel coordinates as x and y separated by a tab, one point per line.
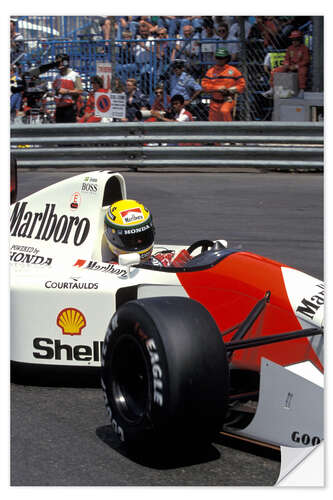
305	439
310	305
89	185
131	215
45	348
28	255
75	201
47	225
135	230
156	371
71	285
106	268
22	248
71	321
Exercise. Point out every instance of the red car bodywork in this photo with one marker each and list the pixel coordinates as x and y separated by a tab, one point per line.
232	288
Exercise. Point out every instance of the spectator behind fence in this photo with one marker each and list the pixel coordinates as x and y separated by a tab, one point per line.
223	82
164	51
235	30
161	101
195	21
226	41
67	87
178	111
268	28
16	92
89	110
126	52
163	47
144	54
119	25
126	66
170	23
297	60
16	41
135	100
222	20
183	83
188	45
208	44
119	87
286	26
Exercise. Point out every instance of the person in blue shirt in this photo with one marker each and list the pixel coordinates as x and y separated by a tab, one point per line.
16	91
183	83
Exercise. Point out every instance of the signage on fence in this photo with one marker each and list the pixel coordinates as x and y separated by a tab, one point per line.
110	105
118	105
104	70
103	104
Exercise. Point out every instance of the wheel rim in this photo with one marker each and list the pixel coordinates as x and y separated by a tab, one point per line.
130	381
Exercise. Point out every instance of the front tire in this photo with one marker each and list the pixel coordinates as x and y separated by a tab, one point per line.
165	373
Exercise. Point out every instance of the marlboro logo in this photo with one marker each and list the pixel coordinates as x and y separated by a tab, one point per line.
47	225
93	265
131	215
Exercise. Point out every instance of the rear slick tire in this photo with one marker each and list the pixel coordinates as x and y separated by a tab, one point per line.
165	373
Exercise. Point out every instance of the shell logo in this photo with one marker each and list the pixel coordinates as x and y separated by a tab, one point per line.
71	321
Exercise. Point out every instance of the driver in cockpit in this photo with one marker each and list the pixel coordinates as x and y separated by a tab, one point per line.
128	227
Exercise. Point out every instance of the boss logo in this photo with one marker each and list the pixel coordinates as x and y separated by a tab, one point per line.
89	188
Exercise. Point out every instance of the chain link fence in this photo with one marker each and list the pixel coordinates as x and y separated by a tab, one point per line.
254	53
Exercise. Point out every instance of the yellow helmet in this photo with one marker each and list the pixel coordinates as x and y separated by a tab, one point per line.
128	227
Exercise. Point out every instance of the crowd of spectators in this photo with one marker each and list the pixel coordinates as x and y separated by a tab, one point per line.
183	48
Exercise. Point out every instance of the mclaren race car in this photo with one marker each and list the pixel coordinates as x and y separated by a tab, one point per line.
231	341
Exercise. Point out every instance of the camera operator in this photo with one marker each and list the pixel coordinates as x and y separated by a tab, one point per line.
68	88
178	113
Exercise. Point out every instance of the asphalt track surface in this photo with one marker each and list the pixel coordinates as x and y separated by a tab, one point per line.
60	436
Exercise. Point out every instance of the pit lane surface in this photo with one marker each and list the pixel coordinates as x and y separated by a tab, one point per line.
61	435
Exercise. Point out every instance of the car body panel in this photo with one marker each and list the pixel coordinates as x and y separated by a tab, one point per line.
63	297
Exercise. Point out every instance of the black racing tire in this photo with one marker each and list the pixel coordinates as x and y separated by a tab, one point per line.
165	373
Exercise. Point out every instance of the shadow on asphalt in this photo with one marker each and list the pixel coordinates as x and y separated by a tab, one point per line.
154	456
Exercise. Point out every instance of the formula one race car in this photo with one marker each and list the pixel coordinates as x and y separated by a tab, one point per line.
230	341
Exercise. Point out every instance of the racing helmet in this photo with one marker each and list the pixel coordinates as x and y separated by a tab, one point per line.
128	227
296	35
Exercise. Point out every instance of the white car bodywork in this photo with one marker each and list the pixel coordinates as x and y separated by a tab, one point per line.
57	268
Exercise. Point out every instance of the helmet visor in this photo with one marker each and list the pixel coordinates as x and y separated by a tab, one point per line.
131	239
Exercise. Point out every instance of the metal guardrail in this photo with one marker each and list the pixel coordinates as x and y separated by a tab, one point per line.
267	145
